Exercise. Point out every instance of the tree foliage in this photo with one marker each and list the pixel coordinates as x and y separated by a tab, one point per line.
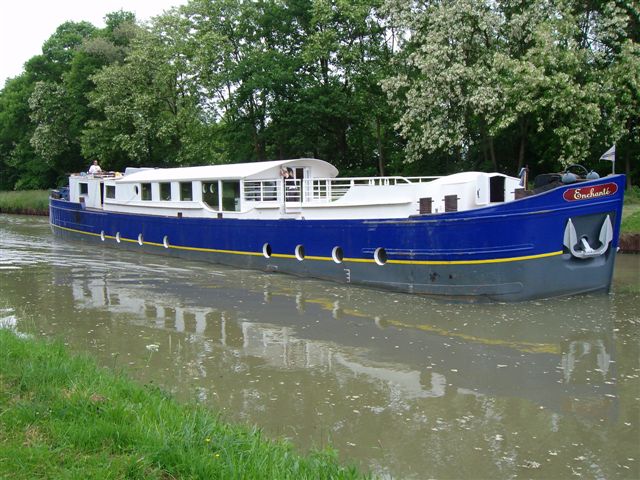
474	73
374	86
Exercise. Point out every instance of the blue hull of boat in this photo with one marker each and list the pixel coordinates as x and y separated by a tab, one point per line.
508	252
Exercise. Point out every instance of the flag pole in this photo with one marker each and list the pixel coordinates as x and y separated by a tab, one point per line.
610	155
613	165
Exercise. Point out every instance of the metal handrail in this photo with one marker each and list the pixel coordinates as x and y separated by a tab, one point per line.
310	190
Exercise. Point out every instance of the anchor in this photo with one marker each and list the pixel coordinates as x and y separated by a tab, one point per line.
587	251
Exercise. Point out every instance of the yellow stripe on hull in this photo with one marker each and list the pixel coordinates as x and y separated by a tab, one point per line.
326	259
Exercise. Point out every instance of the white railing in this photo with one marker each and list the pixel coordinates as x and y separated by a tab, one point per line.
316	190
261	190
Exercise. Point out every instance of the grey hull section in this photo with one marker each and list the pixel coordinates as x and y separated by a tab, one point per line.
518	280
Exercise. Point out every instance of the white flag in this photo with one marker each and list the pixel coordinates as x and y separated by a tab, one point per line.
609	154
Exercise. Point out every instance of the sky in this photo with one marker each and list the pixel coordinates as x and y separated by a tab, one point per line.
26	24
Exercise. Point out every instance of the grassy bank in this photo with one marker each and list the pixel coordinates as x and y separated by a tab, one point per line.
30	202
630	219
631	211
61	416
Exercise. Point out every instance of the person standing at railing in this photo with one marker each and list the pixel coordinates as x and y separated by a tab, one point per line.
291	190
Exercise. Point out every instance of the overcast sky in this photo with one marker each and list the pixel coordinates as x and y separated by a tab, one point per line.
26	24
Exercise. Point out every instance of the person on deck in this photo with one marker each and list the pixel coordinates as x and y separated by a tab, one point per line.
95	168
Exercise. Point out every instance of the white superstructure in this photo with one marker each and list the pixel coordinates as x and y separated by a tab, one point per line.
259	190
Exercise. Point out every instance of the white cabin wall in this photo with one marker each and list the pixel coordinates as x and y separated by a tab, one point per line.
197	191
74	191
125	192
167	209
94	199
510	186
326	212
90	199
379	194
482	190
465	191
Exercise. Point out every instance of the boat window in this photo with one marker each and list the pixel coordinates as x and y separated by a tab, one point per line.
186	191
299	252
210	194
450	203
84	189
111	191
231	196
269	191
426	205
146	191
165	191
337	255
380	256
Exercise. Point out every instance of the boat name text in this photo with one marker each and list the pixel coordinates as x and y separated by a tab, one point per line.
587	193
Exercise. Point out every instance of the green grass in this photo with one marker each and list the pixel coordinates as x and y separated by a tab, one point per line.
34	202
631	211
630	219
61	416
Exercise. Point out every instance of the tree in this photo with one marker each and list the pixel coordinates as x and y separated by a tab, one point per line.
348	52
623	99
448	98
293	78
611	30
61	47
149	111
51	116
243	56
18	168
476	73
59	106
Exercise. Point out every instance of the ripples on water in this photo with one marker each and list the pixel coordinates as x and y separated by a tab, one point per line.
405	386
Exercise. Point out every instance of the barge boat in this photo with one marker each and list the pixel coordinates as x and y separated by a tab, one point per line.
469	235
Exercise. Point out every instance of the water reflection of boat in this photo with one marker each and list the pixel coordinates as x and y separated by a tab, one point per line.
494	350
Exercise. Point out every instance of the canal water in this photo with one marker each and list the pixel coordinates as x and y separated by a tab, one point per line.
401	386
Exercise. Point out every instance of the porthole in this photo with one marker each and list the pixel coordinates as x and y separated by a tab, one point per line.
165	242
136	190
118	237
266	250
102	235
337	254
380	256
300	252
140	242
